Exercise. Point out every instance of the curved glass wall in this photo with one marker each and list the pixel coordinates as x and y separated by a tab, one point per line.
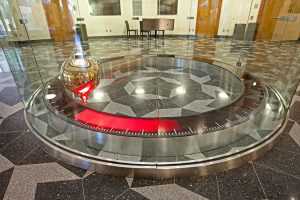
180	81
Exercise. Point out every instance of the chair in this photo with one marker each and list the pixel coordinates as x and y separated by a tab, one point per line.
142	31
130	30
162	31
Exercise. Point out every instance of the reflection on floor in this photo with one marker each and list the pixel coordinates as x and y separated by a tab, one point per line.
273	62
28	172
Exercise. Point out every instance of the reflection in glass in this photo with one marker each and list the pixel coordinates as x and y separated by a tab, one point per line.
167	7
137	7
105	7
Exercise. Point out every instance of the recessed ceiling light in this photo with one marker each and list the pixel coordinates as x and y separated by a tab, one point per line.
98	95
140	91
223	95
180	90
50	96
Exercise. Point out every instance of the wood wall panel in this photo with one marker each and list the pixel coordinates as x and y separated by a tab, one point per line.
208	17
270	28
59	19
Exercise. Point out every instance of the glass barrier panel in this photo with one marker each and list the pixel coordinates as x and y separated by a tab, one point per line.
18	51
270	50
153	82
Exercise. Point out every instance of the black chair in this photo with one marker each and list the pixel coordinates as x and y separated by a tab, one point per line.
130	30
142	31
162	31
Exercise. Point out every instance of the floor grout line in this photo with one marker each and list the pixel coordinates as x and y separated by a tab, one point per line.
259	181
218	188
28	154
284	150
83	188
121	194
15	131
13	139
276	170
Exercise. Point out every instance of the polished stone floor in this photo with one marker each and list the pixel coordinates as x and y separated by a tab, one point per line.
28	172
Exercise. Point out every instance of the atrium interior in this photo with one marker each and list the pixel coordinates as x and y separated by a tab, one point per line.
198	97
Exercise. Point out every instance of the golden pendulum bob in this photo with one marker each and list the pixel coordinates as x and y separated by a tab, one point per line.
80	75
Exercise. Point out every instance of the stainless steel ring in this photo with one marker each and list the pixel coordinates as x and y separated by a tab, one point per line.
158	171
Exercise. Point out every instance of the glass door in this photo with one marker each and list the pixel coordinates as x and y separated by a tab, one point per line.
17	47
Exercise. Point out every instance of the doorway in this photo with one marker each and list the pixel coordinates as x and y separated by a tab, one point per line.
208	17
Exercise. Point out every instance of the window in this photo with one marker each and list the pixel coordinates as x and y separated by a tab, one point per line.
137	7
167	7
105	7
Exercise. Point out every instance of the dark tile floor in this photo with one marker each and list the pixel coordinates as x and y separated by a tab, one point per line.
28	172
